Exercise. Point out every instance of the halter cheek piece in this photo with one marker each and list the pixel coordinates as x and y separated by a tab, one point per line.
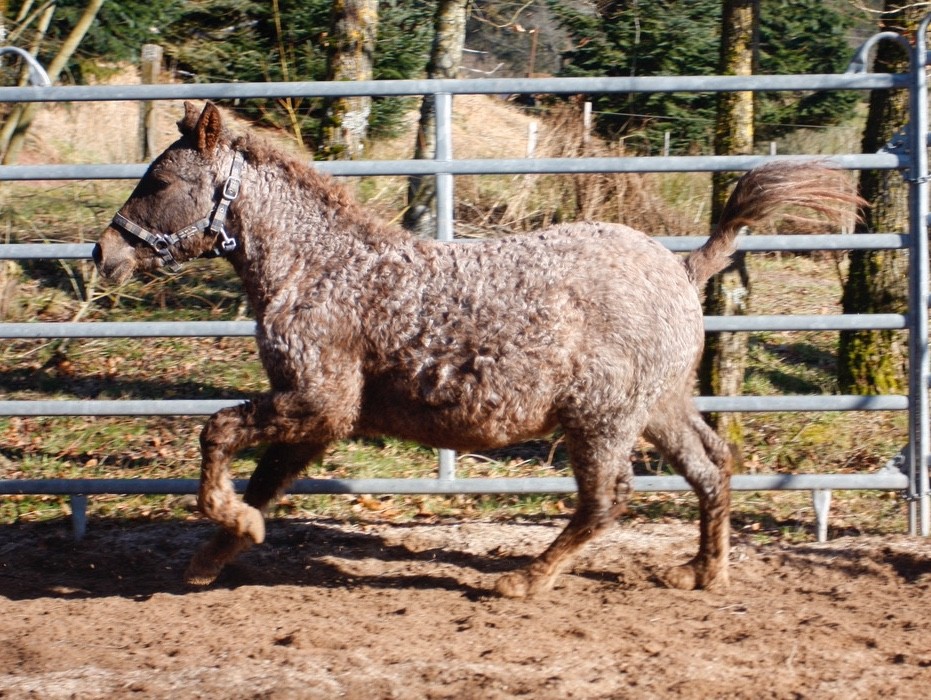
162	243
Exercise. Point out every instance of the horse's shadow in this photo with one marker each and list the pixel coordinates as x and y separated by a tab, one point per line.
126	559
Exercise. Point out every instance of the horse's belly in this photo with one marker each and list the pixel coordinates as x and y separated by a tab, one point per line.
461	421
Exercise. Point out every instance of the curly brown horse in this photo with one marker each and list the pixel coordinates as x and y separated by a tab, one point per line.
366	330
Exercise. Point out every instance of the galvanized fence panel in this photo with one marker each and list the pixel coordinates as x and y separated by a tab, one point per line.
905	472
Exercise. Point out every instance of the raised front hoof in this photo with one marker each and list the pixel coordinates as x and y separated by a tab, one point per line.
690	577
521	584
251	524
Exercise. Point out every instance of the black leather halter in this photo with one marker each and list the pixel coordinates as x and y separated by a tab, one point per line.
163	243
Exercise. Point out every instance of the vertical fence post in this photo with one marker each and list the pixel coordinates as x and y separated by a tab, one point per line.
444	217
919	431
150	69
78	516
532	132
821	499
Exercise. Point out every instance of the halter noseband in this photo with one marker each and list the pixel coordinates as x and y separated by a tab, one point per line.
162	243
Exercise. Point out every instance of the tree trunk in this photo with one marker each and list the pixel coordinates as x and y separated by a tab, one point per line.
724	360
871	362
21	117
445	60
350	57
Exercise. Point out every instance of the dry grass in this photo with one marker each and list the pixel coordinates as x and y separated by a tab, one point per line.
489	127
528	202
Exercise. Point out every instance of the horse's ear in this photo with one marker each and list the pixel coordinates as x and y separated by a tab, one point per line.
189	121
208	129
205	127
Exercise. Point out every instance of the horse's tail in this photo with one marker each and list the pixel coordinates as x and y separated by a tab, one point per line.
757	197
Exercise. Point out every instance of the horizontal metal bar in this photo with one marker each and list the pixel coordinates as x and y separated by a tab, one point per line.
811	322
677	244
129	329
206	407
125	407
494	86
884	480
625	164
46	251
487	166
777	404
792	242
215	329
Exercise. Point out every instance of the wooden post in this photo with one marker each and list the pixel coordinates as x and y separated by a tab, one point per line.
151	67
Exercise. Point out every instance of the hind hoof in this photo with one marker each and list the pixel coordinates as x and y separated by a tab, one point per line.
251	524
513	585
521	584
689	577
681	577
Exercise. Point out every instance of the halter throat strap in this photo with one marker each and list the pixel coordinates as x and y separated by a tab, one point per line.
164	243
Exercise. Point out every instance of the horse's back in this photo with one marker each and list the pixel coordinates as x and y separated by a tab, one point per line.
504	334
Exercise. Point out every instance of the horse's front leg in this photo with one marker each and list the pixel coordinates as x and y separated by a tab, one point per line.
284	419
227	432
278	467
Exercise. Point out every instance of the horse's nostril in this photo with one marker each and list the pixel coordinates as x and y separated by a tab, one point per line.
97	255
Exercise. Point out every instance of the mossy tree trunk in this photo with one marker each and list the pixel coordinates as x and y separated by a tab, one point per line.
724	360
871	362
445	60
350	57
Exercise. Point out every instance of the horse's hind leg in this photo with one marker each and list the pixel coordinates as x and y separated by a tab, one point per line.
278	467
703	458
602	469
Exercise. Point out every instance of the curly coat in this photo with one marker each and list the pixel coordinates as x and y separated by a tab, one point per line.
366	330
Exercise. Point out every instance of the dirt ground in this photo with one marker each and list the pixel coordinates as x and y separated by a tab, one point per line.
329	609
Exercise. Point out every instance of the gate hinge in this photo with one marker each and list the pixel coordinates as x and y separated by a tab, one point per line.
899	144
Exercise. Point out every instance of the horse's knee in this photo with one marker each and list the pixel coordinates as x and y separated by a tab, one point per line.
222	430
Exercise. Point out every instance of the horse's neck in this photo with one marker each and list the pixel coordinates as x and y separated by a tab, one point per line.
293	233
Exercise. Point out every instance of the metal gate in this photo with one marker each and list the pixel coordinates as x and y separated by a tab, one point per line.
906	472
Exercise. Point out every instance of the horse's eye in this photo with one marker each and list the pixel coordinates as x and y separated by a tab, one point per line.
158	180
160	176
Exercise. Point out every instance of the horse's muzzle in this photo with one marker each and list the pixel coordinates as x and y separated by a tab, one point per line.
114	259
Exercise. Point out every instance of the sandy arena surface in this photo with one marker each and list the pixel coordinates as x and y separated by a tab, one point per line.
328	609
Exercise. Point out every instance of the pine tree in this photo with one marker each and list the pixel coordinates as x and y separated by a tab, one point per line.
667	37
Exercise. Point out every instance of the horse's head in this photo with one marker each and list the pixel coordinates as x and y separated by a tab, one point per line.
178	210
